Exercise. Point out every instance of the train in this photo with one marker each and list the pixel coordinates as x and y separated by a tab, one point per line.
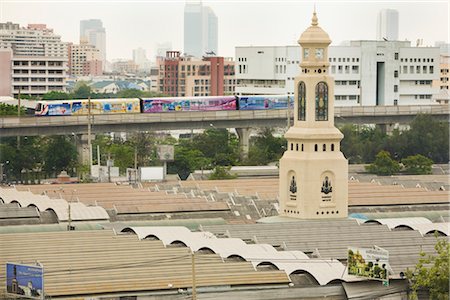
161	104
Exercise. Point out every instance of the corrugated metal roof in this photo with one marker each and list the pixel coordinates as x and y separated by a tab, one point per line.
397	222
78	211
330	239
95	263
323	271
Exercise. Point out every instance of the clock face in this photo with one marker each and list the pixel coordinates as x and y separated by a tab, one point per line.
319	53
306	53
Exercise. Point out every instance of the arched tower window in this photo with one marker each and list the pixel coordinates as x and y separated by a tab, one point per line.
322	101
301	101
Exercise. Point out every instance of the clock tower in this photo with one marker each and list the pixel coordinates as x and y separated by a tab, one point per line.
313	170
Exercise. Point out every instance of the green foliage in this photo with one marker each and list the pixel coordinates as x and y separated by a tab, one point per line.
219	146
131	93
60	154
10	110
56	95
82	90
384	164
187	159
417	164
429	138
432	272
426	136
221	172
265	148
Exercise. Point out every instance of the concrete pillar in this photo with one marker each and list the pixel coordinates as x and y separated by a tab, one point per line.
244	140
81	142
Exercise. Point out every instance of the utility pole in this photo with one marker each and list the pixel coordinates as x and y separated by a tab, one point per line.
89	137
18	115
194	288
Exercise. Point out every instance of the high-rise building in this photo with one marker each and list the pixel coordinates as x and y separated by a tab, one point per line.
94	33
139	56
184	76
200	30
387	25
34	59
84	60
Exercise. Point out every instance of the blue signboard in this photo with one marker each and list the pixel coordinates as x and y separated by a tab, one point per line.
25	280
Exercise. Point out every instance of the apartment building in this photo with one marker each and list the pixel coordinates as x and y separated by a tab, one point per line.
34	59
182	76
366	73
84	60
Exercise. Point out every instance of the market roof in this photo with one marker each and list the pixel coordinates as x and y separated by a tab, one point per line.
97	262
78	210
322	270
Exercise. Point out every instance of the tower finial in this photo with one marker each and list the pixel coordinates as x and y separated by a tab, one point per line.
314	21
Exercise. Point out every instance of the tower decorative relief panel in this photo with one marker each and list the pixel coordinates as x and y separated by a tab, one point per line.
313	170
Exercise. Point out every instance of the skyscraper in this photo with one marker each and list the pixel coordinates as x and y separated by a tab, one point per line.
94	33
200	29
139	56
387	25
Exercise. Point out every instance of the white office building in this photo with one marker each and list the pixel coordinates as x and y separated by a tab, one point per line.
200	30
387	25
366	73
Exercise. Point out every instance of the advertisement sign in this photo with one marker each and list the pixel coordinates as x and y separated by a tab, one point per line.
371	263
166	152
25	280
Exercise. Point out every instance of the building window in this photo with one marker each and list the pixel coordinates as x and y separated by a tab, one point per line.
395	74
296	147
322	101
431	69
395	102
395	88
303	148
301	101
332	147
324	147
396	55
315	147
292	146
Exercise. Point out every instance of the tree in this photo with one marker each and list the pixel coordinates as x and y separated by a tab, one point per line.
218	145
417	164
265	148
10	110
187	159
432	272
384	164
82	90
221	172
59	154
129	93
56	95
429	138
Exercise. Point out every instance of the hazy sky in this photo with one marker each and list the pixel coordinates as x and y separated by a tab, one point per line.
144	23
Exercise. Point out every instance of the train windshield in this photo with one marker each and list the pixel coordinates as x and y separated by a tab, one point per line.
38	107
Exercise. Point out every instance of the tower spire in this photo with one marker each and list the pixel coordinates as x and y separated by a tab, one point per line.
314	21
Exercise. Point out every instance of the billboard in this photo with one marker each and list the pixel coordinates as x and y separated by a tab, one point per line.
25	280
371	263
166	152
